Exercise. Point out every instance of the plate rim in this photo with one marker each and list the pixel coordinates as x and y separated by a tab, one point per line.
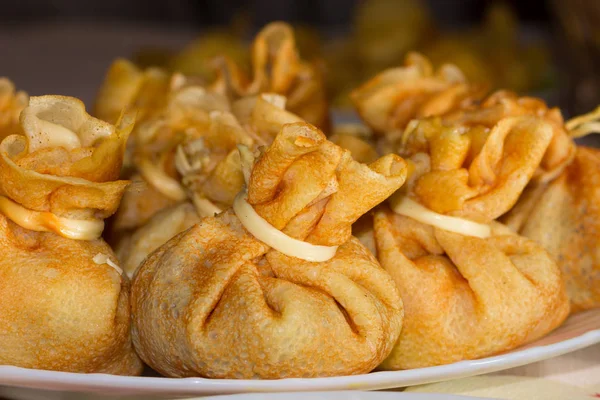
71	381
356	395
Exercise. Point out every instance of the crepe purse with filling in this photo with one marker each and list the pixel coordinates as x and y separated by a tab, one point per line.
172	108
64	304
216	302
564	217
277	68
471	287
556	208
208	164
152	146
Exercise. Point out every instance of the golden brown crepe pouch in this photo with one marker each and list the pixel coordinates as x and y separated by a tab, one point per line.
216	302
78	183
471	295
211	177
64	302
61	309
185	116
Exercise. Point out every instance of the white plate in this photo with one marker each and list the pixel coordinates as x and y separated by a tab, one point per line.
337	395
354	395
577	332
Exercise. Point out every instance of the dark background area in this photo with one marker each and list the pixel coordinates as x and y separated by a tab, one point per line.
325	14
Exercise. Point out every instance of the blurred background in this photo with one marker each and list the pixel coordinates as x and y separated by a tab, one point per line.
542	47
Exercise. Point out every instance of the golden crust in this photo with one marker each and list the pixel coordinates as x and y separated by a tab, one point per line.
390	100
12	102
186	116
61	310
204	163
163	226
139	203
208	167
283	317
476	173
214	287
564	217
78	182
278	69
63	306
503	104
466	297
126	87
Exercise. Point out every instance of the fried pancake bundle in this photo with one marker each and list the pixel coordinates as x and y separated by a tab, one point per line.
557	207
64	302
216	287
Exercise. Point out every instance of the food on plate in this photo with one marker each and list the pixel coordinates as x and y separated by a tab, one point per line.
394	112
358	139
127	86
277	68
472	171
563	215
503	104
64	303
564	178
208	170
65	162
390	100
482	289
12	102
175	108
192	114
278	277
186	115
